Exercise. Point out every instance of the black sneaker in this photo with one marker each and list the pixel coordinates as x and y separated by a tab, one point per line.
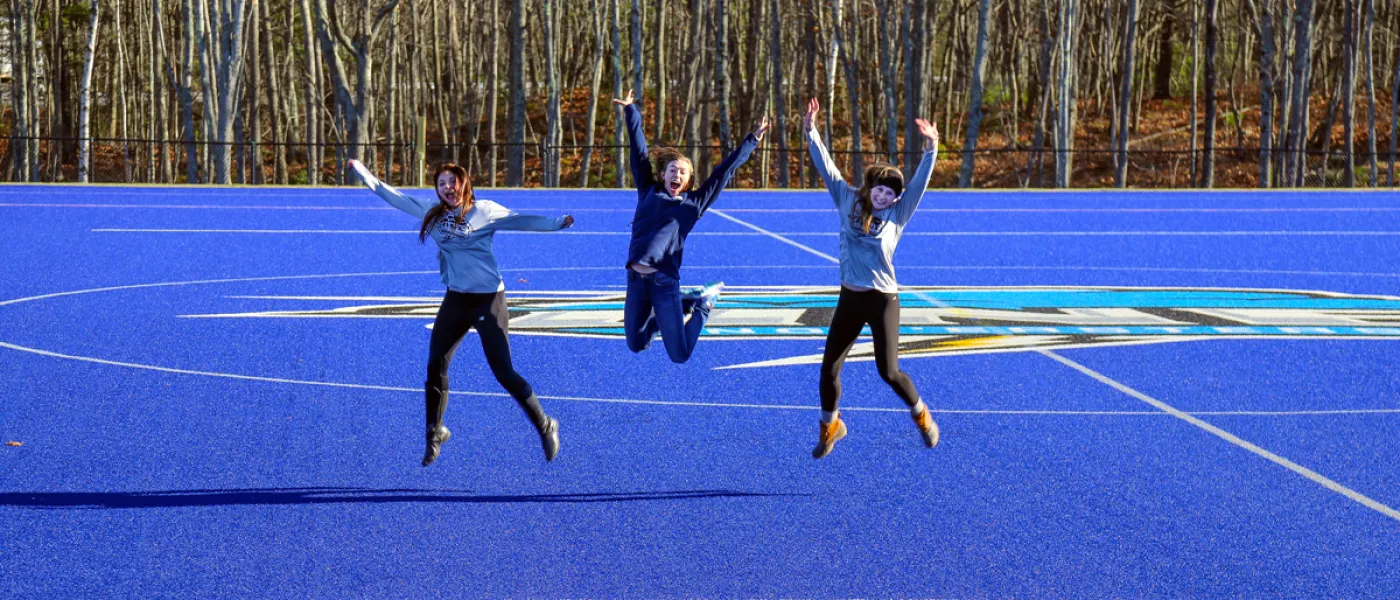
435	439
549	438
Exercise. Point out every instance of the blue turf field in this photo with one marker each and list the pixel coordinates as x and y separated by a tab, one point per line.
207	408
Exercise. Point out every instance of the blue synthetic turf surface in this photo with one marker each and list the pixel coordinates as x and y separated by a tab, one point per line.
167	452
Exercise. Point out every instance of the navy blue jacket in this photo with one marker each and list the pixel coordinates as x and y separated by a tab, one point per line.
662	221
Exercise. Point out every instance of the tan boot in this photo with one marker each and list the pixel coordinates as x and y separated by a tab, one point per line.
830	433
927	427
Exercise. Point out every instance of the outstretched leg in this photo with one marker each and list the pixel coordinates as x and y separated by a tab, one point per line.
884	328
493	326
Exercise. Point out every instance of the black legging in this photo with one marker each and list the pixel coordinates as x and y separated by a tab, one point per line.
853	311
487	313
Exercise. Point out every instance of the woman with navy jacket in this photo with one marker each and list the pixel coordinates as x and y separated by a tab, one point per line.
667	209
872	220
463	227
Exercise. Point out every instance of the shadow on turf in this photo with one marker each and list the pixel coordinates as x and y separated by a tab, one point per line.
328	495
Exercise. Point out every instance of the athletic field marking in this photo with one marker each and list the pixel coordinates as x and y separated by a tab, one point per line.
387	388
264	207
118	288
758	231
775	236
1347	209
1229	437
1343	209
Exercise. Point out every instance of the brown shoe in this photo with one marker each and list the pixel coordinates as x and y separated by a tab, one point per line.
830	433
927	428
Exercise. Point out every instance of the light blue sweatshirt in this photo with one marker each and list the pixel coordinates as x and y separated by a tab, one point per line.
465	254
867	259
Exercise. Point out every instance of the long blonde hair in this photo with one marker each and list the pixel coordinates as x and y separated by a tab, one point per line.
464	191
663	157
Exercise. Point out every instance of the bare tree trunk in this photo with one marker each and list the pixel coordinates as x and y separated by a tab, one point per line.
1394	115
888	83
1065	117
1349	94
1195	91
974	99
356	106
1264	21
85	95
1298	104
619	144
693	85
122	96
1162	75
1371	93
661	75
254	109
1212	38
515	152
553	137
779	102
850	63
313	98
1120	171
21	33
493	88
596	21
1035	168
726	140
914	82
637	64
830	71
274	96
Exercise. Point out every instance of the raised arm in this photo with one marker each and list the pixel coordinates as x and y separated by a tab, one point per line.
641	166
724	173
914	190
417	207
501	218
821	159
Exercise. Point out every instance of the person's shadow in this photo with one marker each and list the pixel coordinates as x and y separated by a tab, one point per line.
331	495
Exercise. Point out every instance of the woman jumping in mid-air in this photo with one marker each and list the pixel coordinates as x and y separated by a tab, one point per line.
872	221
667	209
463	227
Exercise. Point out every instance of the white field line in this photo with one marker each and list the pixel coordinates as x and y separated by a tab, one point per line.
780	235
1229	437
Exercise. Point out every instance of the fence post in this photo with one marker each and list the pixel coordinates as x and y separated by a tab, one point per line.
420	151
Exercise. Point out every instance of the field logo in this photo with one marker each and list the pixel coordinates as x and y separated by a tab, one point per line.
936	321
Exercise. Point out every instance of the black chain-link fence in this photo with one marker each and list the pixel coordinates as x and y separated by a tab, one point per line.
130	160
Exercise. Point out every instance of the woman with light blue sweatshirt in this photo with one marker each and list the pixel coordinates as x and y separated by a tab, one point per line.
872	220
667	209
463	227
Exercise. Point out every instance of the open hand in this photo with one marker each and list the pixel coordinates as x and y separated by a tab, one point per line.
929	131
809	121
568	221
763	128
625	101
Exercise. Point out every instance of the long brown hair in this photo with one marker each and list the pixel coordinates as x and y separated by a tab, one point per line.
884	174
663	157
464	191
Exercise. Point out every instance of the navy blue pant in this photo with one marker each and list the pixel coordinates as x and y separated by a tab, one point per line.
655	303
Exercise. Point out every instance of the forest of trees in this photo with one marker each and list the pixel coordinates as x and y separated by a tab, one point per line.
1026	93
